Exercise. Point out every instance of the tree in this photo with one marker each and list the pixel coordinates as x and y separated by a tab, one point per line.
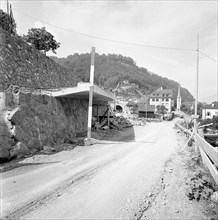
7	22
161	110
41	39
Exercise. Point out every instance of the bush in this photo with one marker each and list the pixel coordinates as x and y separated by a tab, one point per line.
199	187
7	22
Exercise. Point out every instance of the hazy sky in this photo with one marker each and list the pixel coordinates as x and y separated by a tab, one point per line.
159	23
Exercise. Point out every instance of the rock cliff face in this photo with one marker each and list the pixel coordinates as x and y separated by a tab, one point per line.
33	121
21	64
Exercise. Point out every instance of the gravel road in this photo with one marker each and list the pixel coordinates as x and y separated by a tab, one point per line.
109	180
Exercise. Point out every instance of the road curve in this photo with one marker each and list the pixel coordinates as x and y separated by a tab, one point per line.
104	181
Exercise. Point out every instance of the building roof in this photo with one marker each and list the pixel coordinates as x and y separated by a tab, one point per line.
143	107
81	91
210	107
213	105
159	93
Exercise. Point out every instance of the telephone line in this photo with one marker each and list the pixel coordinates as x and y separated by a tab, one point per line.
105	39
207	56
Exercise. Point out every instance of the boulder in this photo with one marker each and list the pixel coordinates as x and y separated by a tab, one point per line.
19	149
5	143
28	123
48	150
33	151
20	135
16	116
34	143
5	130
4	154
214	197
34	132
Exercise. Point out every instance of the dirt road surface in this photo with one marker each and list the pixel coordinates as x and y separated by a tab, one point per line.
108	180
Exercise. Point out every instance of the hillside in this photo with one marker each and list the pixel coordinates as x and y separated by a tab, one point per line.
111	69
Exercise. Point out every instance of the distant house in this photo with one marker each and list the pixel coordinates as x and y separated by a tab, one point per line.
161	97
209	111
145	110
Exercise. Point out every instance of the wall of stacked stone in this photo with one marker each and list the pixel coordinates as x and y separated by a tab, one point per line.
33	121
23	65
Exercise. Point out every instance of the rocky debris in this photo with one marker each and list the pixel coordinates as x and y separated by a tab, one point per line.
138	122
19	150
90	142
48	150
115	122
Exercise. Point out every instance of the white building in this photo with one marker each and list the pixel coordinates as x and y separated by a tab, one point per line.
161	97
209	111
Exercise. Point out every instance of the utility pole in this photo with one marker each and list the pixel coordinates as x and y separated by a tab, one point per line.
115	95
91	90
7	7
197	76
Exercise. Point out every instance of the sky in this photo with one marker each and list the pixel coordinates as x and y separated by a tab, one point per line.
171	24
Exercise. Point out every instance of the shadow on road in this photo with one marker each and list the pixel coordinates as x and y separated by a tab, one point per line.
125	135
16	164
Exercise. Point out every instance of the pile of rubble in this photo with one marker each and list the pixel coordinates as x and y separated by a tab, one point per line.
115	122
138	121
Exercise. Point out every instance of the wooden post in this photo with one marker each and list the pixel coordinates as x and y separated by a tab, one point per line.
108	116
97	114
91	90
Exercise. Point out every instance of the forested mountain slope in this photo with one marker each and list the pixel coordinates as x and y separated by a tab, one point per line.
111	69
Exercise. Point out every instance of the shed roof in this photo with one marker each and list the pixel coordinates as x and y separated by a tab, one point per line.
210	107
81	91
143	107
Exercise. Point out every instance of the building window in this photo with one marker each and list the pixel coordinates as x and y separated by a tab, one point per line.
157	100
163	99
153	100
167	99
208	114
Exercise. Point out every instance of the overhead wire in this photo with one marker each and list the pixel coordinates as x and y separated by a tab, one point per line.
112	40
106	39
207	56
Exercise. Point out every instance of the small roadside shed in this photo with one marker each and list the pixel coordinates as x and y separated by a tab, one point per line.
101	98
145	110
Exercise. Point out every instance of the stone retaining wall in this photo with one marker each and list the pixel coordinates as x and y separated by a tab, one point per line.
33	121
23	65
